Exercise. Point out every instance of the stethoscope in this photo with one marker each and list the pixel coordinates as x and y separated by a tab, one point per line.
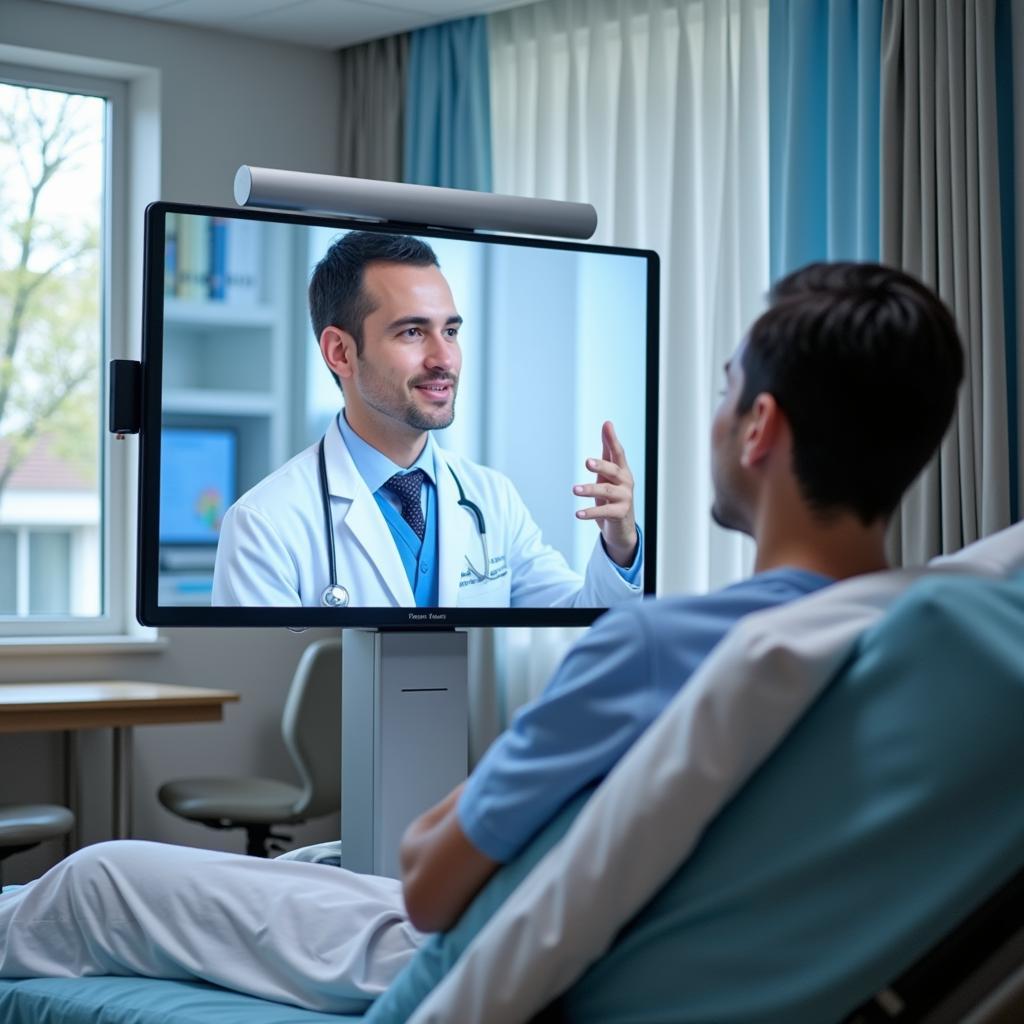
337	596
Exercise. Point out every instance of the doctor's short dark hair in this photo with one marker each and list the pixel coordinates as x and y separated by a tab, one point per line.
336	295
865	362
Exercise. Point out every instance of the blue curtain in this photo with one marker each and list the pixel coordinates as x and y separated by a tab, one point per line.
824	74
448	106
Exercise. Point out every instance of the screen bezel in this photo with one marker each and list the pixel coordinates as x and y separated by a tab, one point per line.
151	613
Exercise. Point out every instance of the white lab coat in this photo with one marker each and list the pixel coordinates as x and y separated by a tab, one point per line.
273	549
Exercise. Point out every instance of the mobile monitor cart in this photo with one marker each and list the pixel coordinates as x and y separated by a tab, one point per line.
404	691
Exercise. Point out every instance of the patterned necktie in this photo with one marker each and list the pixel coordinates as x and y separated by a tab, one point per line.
406	487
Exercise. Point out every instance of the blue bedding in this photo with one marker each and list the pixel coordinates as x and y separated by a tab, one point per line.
109	1000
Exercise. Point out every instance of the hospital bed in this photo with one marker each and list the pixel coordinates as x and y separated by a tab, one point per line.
786	863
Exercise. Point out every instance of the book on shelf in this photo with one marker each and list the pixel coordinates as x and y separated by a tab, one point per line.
214	259
242	262
197	283
192	260
171	255
218	258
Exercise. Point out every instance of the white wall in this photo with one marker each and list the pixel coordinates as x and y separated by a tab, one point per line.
201	103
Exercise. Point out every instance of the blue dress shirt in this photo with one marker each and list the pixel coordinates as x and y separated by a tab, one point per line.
419	557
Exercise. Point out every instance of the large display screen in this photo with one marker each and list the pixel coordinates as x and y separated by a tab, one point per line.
347	423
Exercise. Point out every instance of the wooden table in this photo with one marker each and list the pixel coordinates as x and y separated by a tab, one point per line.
70	706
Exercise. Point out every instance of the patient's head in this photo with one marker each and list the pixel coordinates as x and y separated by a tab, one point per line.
857	367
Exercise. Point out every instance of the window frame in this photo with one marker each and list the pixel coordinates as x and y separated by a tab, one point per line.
115	620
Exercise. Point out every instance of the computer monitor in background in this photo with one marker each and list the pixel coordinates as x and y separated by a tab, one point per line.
198	471
556	339
198	483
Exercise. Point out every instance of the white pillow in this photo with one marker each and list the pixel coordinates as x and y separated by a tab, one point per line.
1000	554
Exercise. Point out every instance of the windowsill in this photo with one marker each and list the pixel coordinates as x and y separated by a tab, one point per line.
58	645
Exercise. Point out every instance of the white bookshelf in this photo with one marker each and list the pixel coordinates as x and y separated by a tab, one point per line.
213	402
217	313
226	363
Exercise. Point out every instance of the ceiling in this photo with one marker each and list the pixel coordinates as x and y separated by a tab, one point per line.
325	24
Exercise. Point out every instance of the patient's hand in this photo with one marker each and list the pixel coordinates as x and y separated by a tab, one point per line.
441	869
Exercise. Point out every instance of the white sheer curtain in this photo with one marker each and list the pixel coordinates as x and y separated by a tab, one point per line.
655	111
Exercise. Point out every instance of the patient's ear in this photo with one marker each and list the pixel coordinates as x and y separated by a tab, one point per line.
339	351
763	429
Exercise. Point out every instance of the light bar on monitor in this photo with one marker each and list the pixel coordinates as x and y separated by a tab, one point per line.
412	204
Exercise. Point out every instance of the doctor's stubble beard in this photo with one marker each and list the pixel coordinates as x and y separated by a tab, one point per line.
380	393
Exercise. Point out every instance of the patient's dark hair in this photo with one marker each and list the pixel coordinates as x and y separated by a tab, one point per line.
336	294
865	362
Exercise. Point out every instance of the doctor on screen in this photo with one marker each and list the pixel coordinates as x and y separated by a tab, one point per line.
377	514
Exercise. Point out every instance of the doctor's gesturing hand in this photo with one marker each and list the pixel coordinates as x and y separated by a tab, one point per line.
612	492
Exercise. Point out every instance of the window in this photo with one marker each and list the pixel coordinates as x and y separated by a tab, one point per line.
57	164
43	573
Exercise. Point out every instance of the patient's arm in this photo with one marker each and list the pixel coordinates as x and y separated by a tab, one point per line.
441	869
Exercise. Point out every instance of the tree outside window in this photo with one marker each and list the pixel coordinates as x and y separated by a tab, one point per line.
52	169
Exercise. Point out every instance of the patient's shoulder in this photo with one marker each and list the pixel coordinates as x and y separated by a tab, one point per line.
755	593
